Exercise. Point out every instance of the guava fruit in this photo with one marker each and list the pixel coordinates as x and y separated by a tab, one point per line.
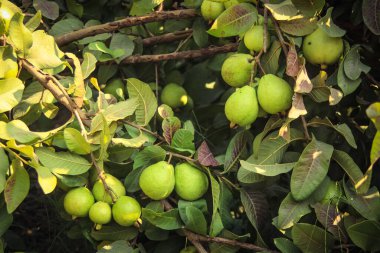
230	3
7	10
157	180
274	94
210	10
174	95
78	202
115	87
237	69
126	211
189	249
319	48
242	107
100	213
254	38
116	187
190	183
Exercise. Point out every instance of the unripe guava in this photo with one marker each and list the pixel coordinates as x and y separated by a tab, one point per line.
211	10
115	87
242	107
236	69
319	48
274	94
254	38
78	202
230	3
126	211
116	187
190	183
157	181
100	213
174	95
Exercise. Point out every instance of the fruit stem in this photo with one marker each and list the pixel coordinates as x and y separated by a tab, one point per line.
98	226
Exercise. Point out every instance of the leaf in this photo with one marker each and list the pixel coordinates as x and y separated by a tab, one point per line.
194	220
373	112
237	148
65	26
234	21
255	206
216	225
88	65
142	7
4	167
335	96
200	35
205	156
75	142
10	93
74	7
353	67
346	84
64	163
121	41
117	246
8	62
311	169
270	59
375	149
17	186
18	130
303	83
169	220
282	11
353	171
300	26
292	62
371	15
44	53
183	140
136	142
330	217
19	35
298	107
291	211
49	9
6	220
147	101
342	129
46	179
327	25
148	156
78	85
365	234
169	126
270	170
285	245
165	111
311	239
309	7
114	232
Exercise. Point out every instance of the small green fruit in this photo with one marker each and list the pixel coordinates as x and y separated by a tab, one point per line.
174	95
189	249
126	211
236	69
211	10
190	183
100	213
242	107
157	181
78	202
254	38
274	94
115	87
116	186
319	48
230	3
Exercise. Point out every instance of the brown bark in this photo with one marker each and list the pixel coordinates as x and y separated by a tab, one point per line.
165	38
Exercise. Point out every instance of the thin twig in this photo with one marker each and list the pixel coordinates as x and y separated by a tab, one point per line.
126	22
280	37
144	130
304	124
166	38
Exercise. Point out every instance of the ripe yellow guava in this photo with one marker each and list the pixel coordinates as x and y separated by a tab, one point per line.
78	202
126	211
319	48
190	183
157	181
211	10
174	95
116	187
237	69
100	213
274	94
242	107
254	38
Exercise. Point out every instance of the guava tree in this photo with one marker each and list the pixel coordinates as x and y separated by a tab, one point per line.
189	126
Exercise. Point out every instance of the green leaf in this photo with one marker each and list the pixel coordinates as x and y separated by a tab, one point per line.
346	84
170	125
365	234
237	149
194	220
142	7
291	211
330	217
121	41
270	59
64	163
353	67
78	86
148	156
311	239
136	142
375	149
200	35
255	206
298	26
19	131
270	170
147	101
46	179
283	11
75	142
10	93
309	7
371	16
6	220
34	22
327	25
169	220
19	35
118	246
8	62
114	232
373	112
49	9
17	186
183	140
66	26
234	21
89	64
310	169
74	8
44	53
4	167
285	245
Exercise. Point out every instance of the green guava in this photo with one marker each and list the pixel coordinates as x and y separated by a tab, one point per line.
237	69
230	3
126	211
116	187
115	87
78	202
274	94
210	10
190	183
254	38
174	95
100	213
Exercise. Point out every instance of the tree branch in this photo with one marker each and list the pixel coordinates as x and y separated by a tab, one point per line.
126	22
190	54
165	38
